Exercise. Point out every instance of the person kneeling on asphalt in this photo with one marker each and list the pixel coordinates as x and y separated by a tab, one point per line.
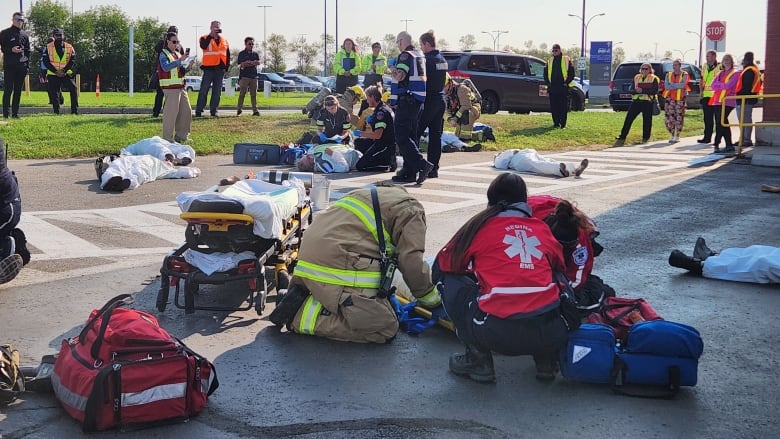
13	244
496	277
335	289
464	109
378	143
756	264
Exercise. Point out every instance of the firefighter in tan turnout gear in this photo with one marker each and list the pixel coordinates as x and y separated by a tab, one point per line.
463	108
334	291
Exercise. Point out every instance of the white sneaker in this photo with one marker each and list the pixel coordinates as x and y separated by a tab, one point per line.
10	267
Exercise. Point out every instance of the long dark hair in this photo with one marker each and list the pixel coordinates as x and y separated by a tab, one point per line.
565	223
504	190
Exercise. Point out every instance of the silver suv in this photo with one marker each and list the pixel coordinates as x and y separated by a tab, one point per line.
508	81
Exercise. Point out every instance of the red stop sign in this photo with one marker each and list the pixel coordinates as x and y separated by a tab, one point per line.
715	31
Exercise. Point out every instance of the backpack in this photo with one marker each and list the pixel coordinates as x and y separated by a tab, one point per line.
477	95
102	163
11	379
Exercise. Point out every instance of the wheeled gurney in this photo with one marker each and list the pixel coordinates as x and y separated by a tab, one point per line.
257	224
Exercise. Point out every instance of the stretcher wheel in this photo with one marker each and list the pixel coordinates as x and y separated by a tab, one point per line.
190	288
260	302
162	295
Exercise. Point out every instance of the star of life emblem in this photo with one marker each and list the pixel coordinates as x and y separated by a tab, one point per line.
524	246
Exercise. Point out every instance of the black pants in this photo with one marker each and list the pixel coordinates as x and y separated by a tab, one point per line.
9	216
542	336
432	118
158	102
722	131
14	81
407	116
709	118
559	107
376	157
212	80
55	85
342	82
372	79
637	107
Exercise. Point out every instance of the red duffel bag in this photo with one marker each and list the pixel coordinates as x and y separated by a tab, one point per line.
620	313
124	370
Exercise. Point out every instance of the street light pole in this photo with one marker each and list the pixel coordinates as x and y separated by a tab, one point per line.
698	35
197	42
584	35
683	53
265	42
406	23
701	30
325	42
496	37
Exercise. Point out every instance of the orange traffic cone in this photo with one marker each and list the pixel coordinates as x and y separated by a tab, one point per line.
97	86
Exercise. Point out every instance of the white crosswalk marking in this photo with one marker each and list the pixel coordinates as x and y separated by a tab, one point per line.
56	235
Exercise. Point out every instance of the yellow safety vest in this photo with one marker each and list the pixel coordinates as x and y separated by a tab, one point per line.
707	77
639	79
56	61
170	79
565	61
348	278
718	95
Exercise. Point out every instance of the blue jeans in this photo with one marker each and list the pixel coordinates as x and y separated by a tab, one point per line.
211	79
747	132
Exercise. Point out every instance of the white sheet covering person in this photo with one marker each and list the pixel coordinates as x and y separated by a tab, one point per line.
158	147
757	264
131	171
528	160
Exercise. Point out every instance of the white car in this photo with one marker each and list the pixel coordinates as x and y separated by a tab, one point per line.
192	83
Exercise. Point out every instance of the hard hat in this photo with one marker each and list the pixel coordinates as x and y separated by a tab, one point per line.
359	93
386	96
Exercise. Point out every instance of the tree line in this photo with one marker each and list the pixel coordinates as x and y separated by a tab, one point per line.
100	37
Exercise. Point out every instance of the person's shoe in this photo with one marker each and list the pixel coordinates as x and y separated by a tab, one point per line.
427	167
15	116
546	370
716	150
198	114
562	169
288	306
20	241
7	246
701	251
681	260
474	364
74	112
155	114
184	161
770	188
729	149
581	168
644	140
401	178
620	139
255	113
238	112
555	125
433	174
703	140
214	115
10	267
473	148
747	143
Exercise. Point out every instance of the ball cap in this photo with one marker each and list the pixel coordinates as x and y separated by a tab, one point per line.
58	32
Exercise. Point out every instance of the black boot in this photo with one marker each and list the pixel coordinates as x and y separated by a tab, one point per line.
474	364
546	367
681	260
701	251
285	310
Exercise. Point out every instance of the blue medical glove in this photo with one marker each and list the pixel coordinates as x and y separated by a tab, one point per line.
323	137
338	139
370	119
356	133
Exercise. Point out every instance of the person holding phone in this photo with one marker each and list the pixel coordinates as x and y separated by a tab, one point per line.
216	59
177	112
15	45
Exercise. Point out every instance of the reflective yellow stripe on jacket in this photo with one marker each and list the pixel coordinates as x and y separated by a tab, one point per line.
174	78
311	310
365	214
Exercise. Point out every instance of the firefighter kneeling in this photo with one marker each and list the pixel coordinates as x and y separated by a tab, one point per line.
335	290
463	109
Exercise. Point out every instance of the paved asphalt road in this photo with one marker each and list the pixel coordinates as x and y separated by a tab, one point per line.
89	246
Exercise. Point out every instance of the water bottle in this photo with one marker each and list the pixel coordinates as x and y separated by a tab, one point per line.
278	177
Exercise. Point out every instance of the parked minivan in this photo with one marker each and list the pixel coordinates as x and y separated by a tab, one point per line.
621	86
192	83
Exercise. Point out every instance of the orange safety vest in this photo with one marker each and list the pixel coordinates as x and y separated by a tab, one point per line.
677	94
649	79
56	61
756	87
215	53
718	95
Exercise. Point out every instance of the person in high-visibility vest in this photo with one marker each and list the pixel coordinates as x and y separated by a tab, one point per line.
346	65
645	90
335	290
215	62
724	85
374	66
708	73
558	75
177	112
59	59
676	89
749	83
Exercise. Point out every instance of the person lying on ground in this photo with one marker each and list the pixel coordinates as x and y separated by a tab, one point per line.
757	263
528	160
178	154
328	158
131	171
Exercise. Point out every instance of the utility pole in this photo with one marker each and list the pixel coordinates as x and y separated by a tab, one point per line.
197	40
495	37
325	42
406	23
265	42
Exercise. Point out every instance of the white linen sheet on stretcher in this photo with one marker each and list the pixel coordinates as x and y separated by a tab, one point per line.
267	203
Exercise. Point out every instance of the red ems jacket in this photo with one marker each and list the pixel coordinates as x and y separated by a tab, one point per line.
513	257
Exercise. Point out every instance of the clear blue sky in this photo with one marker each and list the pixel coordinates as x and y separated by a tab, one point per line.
639	25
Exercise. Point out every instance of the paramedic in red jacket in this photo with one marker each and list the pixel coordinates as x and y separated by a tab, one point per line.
497	285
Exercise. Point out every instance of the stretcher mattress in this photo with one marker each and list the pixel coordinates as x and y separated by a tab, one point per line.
267	203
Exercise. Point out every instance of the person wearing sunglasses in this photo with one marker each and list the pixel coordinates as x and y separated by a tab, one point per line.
59	59
248	60
177	112
558	75
15	45
645	90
